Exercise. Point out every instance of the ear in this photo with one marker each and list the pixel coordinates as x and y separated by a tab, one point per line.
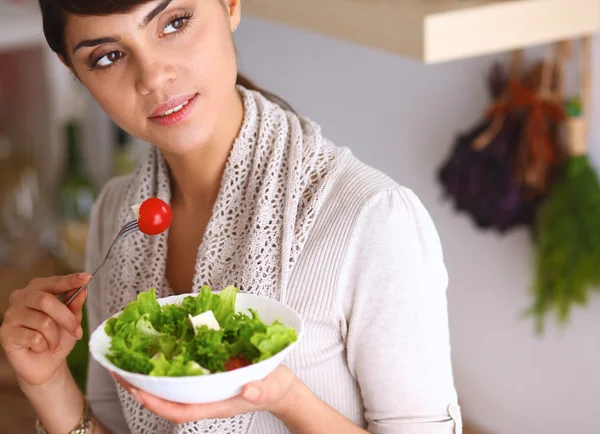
234	10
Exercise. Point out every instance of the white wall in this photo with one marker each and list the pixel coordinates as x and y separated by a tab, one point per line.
401	117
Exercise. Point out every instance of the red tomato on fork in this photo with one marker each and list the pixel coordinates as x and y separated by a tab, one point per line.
155	216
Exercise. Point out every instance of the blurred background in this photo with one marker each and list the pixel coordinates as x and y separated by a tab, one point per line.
405	109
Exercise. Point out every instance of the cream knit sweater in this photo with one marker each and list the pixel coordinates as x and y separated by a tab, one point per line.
370	283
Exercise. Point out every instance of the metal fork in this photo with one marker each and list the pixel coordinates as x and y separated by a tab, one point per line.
128	229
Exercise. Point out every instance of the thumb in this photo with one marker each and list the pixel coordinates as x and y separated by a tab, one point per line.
272	389
253	392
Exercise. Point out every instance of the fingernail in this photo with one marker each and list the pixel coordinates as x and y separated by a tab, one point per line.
252	393
136	396
84	276
79	333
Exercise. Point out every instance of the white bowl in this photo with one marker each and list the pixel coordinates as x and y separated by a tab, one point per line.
210	387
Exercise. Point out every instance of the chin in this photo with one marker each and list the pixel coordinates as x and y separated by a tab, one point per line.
182	144
190	136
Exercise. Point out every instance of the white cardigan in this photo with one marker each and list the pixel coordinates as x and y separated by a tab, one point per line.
370	284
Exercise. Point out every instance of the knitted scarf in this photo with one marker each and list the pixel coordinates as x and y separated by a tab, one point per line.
271	190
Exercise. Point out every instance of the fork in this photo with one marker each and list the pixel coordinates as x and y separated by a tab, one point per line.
127	229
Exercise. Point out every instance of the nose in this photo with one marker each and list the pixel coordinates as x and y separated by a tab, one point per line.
153	75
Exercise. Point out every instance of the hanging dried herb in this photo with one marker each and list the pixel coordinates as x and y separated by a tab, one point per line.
568	243
481	175
568	223
483	183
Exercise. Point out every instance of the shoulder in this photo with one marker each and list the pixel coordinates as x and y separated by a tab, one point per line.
391	248
366	195
371	219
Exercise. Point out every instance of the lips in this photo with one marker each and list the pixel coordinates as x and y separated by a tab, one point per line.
174	114
173	105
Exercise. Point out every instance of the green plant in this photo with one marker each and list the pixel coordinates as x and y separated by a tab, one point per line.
568	247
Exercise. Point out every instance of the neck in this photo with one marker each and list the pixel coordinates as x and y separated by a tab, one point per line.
196	177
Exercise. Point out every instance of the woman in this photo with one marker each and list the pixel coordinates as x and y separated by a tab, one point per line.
260	200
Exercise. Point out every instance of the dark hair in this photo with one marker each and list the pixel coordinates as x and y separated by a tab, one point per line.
54	19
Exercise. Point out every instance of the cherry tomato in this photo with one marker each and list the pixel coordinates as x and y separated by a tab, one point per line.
235	363
155	216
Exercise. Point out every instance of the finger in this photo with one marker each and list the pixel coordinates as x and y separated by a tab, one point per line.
155	407
59	284
129	388
24	338
183	413
15	296
120	380
42	323
125	385
54	308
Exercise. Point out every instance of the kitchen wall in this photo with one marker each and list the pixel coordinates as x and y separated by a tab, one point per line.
401	117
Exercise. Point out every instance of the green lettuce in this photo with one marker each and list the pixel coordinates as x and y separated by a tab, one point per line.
159	340
222	304
273	340
176	367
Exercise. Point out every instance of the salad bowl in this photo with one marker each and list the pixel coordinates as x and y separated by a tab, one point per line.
206	386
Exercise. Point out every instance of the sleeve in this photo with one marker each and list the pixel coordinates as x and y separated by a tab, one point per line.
397	339
101	389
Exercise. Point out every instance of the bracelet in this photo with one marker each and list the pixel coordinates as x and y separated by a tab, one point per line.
86	424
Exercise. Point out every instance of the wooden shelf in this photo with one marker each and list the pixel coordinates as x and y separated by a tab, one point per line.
20	26
433	31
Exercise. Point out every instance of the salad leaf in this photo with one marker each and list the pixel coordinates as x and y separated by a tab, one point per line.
209	349
178	367
275	339
173	321
238	334
145	327
146	303
160	340
127	352
167	345
222	304
226	309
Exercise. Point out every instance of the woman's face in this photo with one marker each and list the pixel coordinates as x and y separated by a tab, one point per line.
164	72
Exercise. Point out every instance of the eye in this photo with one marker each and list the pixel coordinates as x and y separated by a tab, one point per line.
176	25
108	59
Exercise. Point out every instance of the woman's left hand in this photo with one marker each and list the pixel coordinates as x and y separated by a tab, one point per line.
267	395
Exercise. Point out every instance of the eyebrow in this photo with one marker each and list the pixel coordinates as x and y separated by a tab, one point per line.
147	19
157	10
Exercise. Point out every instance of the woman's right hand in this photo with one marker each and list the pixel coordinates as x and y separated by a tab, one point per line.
38	330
